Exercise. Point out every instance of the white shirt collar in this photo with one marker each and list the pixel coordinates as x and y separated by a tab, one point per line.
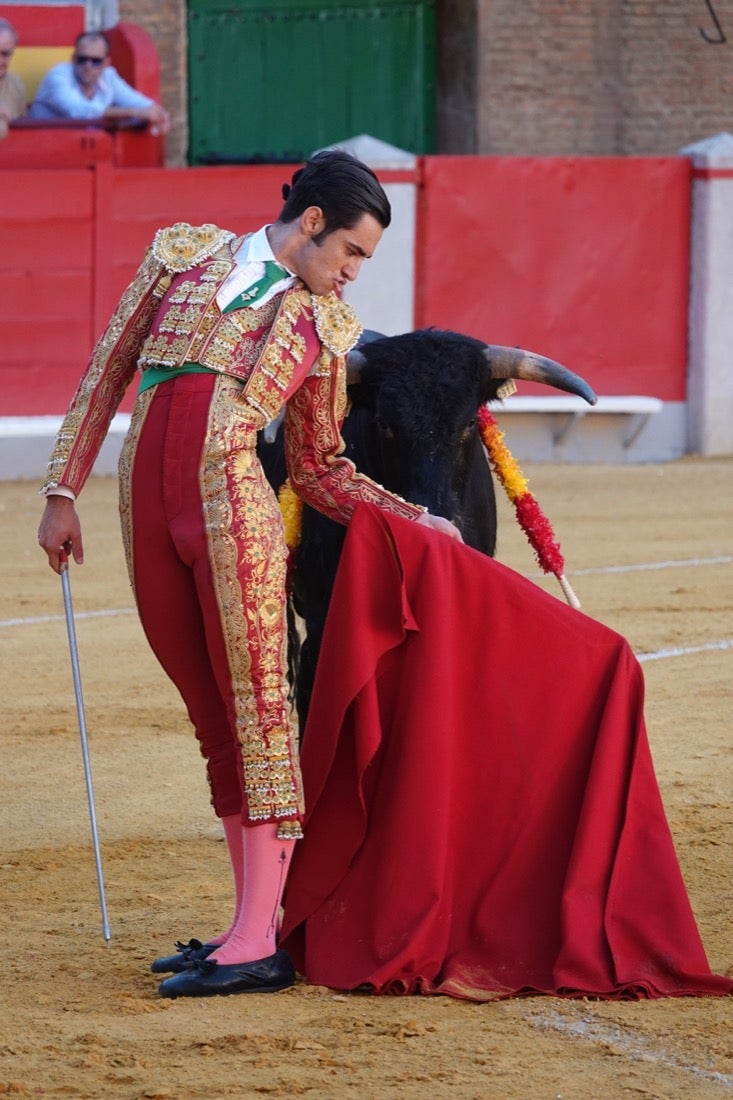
249	260
257	247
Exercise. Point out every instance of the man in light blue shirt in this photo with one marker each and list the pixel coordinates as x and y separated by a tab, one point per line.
88	87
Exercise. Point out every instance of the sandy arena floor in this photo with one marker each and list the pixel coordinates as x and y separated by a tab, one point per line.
81	1018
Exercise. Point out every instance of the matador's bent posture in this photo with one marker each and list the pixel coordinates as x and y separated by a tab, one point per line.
227	332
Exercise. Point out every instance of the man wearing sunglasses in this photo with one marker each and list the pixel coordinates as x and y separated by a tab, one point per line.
89	87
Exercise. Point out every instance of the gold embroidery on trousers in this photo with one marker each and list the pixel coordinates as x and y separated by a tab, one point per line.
248	553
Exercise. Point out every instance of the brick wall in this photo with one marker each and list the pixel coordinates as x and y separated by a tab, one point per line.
601	77
165	22
541	77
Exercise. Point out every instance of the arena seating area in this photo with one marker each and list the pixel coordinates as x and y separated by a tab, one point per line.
45	38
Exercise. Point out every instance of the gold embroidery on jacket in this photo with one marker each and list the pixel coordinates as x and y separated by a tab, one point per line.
285	349
188	290
319	472
192	329
182	246
336	323
163	284
232	347
179	319
217	271
204	328
325	362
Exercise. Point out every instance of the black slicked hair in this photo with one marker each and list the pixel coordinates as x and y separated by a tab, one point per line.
342	186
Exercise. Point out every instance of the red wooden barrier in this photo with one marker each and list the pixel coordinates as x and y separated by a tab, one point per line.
51	25
585	260
46	286
71	242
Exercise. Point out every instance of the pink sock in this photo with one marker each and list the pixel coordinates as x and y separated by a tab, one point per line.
267	860
234	833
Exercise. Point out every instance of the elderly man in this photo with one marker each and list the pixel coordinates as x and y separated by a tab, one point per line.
89	87
12	89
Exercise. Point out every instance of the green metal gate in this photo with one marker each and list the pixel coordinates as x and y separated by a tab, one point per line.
274	81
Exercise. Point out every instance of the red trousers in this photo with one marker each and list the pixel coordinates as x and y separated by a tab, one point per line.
206	554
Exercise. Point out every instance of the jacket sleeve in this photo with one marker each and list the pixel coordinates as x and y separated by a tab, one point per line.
319	472
109	372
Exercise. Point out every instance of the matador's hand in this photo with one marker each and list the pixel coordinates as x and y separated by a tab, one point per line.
438	523
60	526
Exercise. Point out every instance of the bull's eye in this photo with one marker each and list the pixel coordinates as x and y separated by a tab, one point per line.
383	428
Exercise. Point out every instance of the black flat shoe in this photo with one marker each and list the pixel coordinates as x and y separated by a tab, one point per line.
193	951
208	978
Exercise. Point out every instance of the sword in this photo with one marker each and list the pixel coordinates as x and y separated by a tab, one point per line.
73	649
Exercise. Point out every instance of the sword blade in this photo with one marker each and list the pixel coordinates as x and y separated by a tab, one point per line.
74	652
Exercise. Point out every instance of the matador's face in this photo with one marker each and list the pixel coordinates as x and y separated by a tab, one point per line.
336	260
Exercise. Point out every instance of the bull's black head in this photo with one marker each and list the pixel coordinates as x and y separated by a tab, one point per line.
412	424
413	420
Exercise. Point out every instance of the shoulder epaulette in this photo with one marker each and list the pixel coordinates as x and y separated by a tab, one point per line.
182	246
336	323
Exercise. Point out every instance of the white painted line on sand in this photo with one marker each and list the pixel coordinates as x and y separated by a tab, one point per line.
655	655
632	1044
684	651
31	621
723	559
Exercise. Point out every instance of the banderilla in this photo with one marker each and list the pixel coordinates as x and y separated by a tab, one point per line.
74	651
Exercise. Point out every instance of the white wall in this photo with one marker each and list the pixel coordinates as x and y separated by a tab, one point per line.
710	361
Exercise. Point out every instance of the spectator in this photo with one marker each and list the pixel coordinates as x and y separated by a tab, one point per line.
88	87
12	89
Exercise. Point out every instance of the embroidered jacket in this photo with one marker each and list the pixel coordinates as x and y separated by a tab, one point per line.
290	351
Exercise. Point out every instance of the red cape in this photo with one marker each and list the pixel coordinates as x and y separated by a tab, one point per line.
483	815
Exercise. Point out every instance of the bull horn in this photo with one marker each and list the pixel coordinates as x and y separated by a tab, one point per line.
356	360
517	363
355	363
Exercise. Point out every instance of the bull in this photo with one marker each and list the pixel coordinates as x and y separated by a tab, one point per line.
412	426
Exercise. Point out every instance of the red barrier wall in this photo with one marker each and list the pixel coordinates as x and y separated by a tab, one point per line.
582	259
51	25
47	229
71	242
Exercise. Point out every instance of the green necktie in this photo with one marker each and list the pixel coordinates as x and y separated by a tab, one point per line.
273	274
